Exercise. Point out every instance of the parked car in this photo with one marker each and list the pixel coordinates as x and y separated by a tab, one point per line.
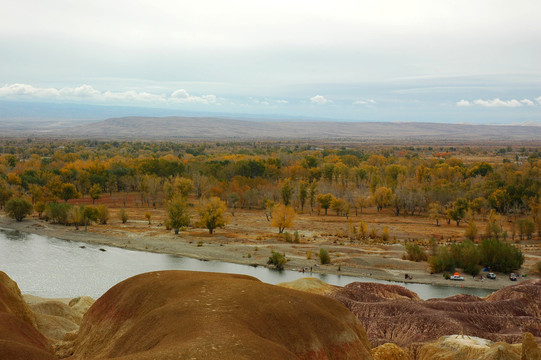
457	277
512	277
491	276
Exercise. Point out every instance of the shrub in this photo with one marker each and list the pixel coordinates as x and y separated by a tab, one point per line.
103	214
495	254
277	259
324	257
538	267
415	253
296	237
123	215
500	256
57	212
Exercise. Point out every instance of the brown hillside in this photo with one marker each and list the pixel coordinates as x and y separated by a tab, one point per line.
19	339
191	315
504	316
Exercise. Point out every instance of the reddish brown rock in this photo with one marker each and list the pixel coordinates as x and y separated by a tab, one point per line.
19	339
503	316
191	315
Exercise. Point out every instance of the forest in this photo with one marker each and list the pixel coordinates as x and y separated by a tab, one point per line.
488	192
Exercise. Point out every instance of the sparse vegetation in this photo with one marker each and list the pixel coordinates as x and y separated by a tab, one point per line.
277	259
324	257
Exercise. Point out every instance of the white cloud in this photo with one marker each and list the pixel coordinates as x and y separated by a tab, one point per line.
87	92
498	103
364	102
282	101
319	100
463	103
182	96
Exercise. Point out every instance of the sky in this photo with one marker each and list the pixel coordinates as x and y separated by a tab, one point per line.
472	61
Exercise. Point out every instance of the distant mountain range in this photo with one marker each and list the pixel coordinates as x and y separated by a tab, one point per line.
212	128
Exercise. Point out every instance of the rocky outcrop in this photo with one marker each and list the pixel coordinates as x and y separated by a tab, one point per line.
402	319
390	351
460	347
19	338
311	285
178	314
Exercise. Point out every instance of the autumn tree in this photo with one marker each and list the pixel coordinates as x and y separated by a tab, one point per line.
382	197
212	213
95	192
178	214
303	194
183	186
102	214
282	217
19	208
5	192
75	216
325	201
312	194
434	212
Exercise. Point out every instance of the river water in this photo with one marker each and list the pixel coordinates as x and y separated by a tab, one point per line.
54	268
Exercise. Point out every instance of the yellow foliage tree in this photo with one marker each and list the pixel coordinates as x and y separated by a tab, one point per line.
212	213
282	217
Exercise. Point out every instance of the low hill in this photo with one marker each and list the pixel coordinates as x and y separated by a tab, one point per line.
171	128
193	315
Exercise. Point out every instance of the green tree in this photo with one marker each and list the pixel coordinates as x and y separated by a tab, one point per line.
177	213
90	215
69	191
458	211
286	192
325	201
277	259
303	193
324	256
212	214
19	208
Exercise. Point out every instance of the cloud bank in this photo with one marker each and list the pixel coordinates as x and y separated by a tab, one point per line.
87	92
497	102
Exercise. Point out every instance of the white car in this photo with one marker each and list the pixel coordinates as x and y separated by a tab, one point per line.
491	276
456	277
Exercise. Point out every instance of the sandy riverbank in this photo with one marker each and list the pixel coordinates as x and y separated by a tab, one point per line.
381	262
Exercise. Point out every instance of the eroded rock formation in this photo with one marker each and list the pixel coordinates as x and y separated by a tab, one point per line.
177	314
402	319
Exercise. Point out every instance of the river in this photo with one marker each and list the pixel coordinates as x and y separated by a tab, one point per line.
54	268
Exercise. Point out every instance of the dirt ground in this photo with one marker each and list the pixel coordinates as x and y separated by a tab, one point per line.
249	238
